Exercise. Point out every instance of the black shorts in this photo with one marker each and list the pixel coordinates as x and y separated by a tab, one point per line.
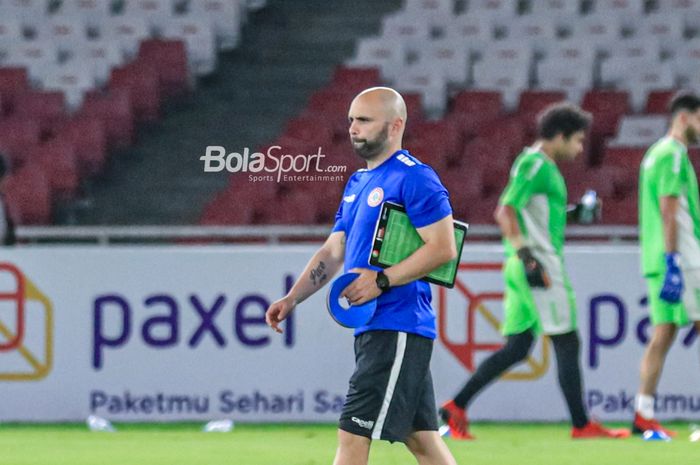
391	391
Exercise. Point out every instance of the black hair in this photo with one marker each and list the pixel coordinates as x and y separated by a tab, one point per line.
562	118
684	100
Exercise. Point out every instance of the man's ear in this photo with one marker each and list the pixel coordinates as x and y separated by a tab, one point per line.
397	126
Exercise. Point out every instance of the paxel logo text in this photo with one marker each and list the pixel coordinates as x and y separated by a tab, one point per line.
618	322
158	321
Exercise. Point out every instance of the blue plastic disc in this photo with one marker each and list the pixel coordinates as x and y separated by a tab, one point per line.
352	316
653	435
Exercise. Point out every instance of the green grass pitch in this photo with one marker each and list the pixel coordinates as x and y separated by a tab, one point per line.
299	444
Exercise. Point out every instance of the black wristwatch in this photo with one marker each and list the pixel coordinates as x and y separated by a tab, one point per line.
382	282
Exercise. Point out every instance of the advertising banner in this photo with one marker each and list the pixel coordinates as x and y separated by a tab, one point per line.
178	333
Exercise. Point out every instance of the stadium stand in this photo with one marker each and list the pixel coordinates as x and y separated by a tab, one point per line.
488	70
474	74
78	77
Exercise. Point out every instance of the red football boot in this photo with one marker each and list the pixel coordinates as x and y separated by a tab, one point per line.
456	419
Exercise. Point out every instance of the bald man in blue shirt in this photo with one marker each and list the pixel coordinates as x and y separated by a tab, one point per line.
390	395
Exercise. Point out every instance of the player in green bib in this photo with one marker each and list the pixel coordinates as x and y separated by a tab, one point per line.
532	215
669	224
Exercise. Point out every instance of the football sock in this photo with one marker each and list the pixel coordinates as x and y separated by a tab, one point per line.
566	347
515	350
644	405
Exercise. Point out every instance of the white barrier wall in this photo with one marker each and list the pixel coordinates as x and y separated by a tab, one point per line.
160	333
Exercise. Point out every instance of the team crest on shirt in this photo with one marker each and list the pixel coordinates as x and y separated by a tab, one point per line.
375	197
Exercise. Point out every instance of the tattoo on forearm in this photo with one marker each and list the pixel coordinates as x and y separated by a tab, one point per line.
318	275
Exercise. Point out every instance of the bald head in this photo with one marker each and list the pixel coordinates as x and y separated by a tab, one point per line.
387	99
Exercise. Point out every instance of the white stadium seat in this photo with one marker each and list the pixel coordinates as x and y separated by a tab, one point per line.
225	15
412	32
510	79
34	55
559	75
538	31
430	83
387	55
156	12
640	131
554	7
475	32
449	56
198	35
73	79
666	29
99	56
126	31
90	11
598	31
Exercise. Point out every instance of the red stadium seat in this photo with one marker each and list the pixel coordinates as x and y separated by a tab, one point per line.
473	107
296	207
115	111
484	153
465	188
478	101
170	60
312	130
625	157
60	163
333	105
224	210
607	106
658	100
17	135
28	194
446	131
620	211
430	151
354	80
88	137
532	102
13	82
47	108
142	81
414	106
507	132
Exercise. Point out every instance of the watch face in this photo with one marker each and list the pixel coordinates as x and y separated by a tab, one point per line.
382	281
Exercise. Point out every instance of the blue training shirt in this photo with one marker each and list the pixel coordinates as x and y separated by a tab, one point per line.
402	179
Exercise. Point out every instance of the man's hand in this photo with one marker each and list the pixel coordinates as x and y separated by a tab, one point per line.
672	289
534	271
278	311
587	211
363	288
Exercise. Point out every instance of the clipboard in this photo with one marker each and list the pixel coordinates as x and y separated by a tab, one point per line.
395	238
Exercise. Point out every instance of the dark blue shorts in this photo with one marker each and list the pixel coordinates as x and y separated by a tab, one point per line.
391	391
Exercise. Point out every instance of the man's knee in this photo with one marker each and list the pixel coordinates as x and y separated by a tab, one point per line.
662	338
352	449
519	345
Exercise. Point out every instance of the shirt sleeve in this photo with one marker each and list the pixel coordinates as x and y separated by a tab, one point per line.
669	175
425	198
522	183
339	223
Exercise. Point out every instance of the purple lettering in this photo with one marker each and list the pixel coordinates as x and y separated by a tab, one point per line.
99	339
168	321
597	339
207	321
242	320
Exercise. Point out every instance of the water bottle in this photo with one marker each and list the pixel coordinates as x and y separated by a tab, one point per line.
96	423
589	205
